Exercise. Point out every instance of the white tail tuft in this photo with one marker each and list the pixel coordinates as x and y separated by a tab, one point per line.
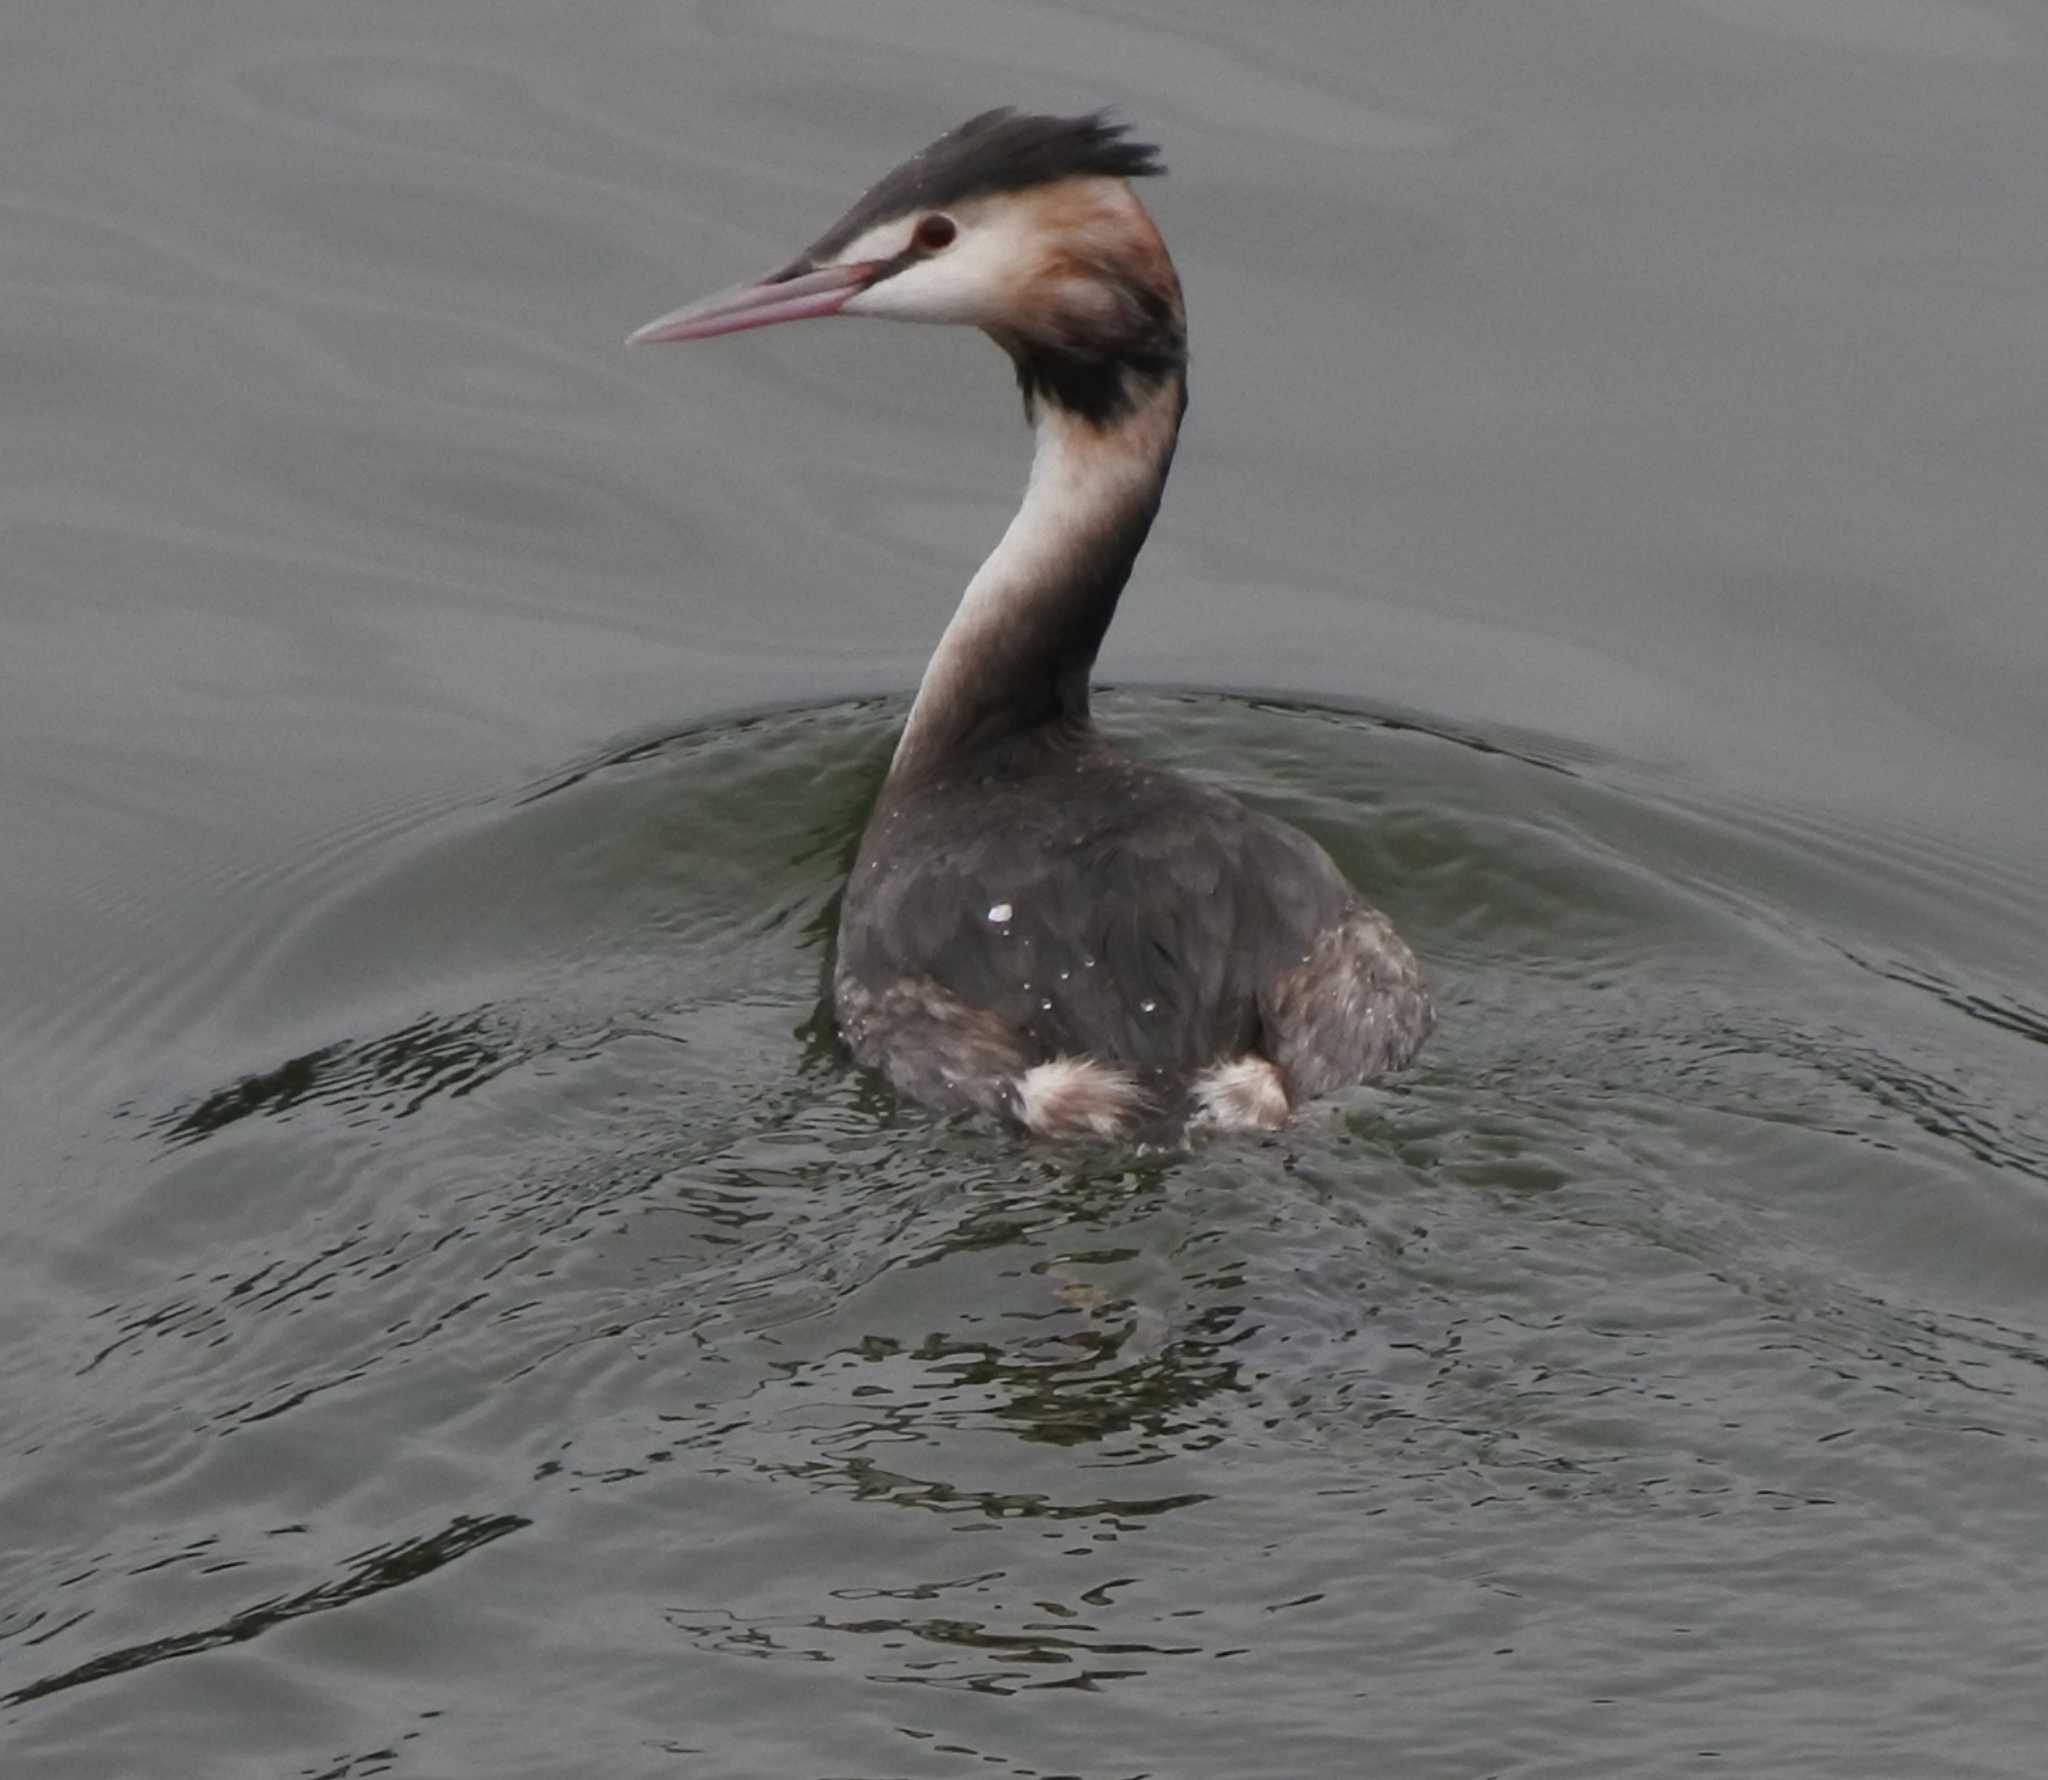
1243	1094
1076	1097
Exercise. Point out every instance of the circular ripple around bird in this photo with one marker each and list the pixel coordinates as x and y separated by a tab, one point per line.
535	1243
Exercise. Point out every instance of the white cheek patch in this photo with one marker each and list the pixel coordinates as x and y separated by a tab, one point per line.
955	287
974	281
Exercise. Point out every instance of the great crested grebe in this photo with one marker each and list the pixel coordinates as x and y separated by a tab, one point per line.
1037	926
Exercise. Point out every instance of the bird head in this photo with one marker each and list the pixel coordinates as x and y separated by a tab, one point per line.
1023	226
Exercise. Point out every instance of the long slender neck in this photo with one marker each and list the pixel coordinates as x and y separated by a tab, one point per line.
1017	654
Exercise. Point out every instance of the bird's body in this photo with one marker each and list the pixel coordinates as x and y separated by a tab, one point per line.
1037	926
1063	903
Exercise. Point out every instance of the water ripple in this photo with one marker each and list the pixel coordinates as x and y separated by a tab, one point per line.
563	1199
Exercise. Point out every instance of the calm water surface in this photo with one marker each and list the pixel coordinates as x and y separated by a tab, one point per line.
461	1313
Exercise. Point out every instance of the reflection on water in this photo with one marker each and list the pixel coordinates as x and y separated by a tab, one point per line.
1548	1361
392	1567
389	1076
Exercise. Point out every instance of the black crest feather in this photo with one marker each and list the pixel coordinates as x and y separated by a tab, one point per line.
1000	151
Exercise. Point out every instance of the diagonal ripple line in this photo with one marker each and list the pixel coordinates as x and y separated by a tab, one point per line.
387	1567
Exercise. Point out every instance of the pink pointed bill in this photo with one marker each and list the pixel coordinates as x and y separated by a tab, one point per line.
823	292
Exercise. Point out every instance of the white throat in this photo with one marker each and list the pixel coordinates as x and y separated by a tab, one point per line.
1090	496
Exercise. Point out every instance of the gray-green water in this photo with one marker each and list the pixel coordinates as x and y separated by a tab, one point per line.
461	1314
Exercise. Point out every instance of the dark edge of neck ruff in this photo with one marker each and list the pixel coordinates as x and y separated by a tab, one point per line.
1101	391
1103	383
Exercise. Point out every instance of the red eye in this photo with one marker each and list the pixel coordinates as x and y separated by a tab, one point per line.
934	232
